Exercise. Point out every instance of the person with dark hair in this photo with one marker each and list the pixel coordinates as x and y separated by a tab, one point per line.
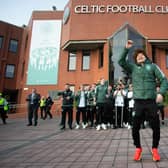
130	105
92	104
81	103
49	103
109	107
119	96
67	106
144	74
33	100
101	91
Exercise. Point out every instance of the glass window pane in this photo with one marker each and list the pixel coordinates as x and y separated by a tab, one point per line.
117	42
1	41
101	58
72	61
13	45
166	58
86	61
9	71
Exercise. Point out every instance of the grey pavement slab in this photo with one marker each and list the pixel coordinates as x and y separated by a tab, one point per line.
46	146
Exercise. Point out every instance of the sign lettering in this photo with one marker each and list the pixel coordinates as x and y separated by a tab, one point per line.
146	9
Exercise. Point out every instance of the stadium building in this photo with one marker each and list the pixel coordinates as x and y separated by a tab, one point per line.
82	44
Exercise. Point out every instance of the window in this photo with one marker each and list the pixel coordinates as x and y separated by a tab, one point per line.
1	41
72	61
13	46
86	60
10	69
117	45
167	58
101	58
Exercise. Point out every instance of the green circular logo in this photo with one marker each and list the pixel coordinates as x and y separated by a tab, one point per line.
66	15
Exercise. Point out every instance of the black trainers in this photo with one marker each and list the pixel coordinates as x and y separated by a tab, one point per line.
62	128
35	124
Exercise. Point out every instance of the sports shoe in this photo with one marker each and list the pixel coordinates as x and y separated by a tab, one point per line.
163	122
104	126
129	127
125	125
137	155
84	125
155	154
62	128
77	126
98	128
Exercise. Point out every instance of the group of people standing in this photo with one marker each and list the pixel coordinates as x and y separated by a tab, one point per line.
143	99
34	102
100	106
118	105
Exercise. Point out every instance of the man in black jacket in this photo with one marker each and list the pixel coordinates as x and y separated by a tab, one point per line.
49	103
33	105
67	106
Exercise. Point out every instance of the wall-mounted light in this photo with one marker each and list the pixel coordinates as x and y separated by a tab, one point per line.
54	8
24	26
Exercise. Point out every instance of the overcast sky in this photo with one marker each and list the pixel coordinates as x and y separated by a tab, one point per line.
18	12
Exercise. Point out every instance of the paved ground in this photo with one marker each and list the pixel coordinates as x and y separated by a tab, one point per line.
45	146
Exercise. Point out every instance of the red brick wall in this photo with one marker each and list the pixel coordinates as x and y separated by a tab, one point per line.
97	27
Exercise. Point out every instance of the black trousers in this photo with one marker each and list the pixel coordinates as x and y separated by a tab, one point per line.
42	110
3	115
92	113
79	110
100	113
32	113
130	111
108	113
88	113
147	109
68	110
47	112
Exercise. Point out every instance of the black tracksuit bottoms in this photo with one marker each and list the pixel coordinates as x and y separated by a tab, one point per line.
146	109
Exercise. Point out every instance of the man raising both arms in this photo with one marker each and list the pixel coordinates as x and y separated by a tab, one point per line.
144	74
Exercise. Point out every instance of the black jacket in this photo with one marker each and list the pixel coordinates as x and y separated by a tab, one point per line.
35	101
68	98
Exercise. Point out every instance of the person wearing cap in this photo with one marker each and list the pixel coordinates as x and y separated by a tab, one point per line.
144	74
2	111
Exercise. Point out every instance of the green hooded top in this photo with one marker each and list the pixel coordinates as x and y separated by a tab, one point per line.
144	77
